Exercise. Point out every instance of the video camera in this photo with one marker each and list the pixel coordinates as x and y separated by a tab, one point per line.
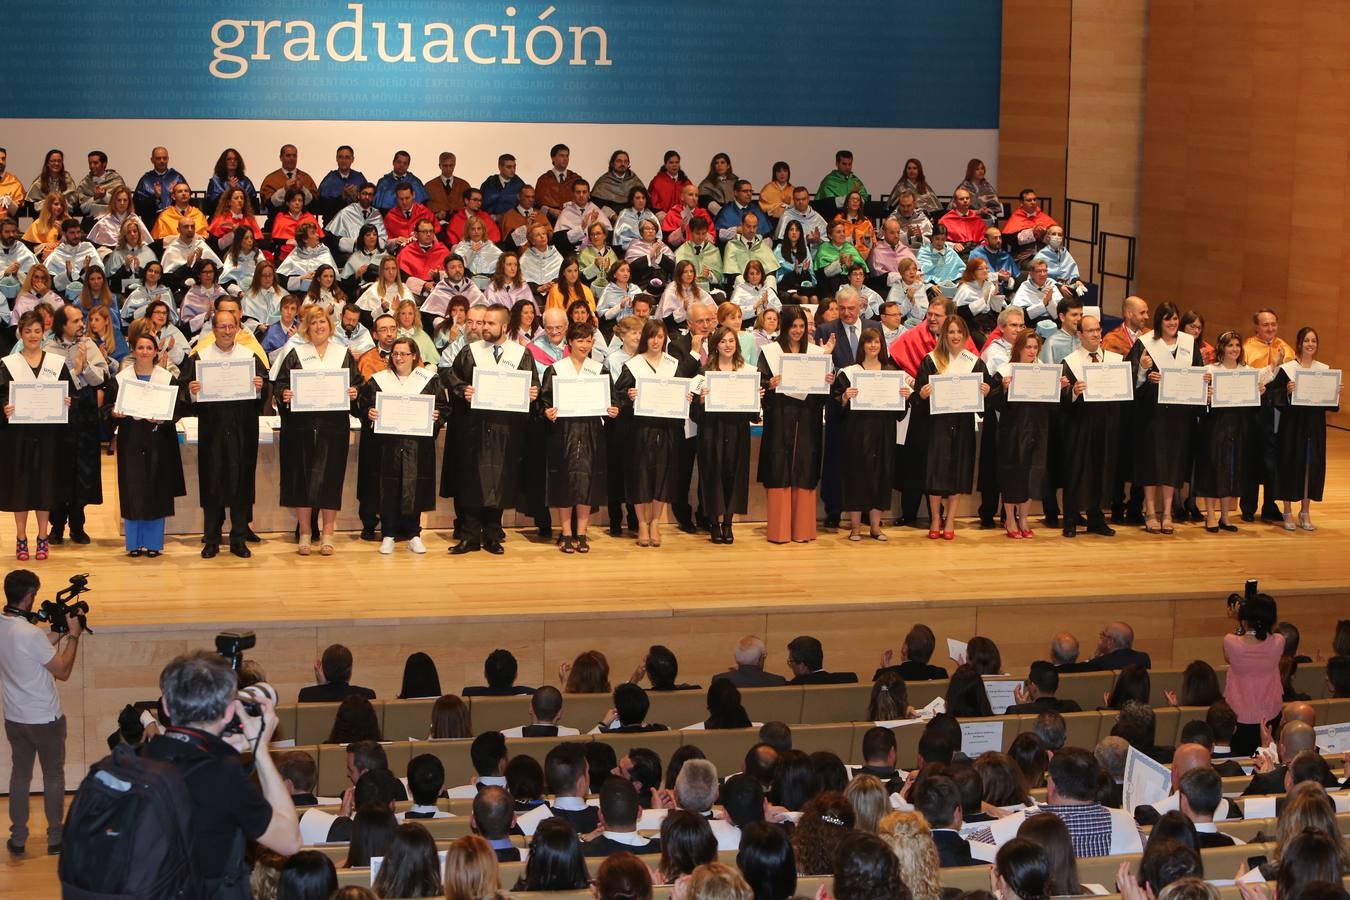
1235	601
55	612
231	645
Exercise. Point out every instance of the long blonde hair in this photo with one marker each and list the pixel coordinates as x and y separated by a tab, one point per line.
1308	806
470	870
911	840
870	801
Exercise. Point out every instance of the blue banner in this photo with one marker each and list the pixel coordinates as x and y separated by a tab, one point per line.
859	63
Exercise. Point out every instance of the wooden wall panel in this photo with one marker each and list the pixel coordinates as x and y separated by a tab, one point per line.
1034	102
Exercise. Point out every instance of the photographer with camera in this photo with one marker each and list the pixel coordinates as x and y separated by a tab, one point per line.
31	662
1253	687
212	724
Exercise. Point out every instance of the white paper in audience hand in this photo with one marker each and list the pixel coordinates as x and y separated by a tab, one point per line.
956	651
977	737
1001	692
936	706
982	851
1146	781
529	821
1096	890
1258	807
1333	738
1005	829
1253	877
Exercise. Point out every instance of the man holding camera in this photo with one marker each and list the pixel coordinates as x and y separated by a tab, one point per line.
199	693
30	664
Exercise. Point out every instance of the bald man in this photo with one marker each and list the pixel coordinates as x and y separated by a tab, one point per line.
1186	758
1064	654
1115	649
1268	778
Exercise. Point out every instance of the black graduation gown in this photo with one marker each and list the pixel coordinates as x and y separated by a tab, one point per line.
313	444
1091	433
79	450
575	451
1221	455
227	435
723	461
652	467
368	461
868	449
490	443
1162	442
149	464
1023	443
792	442
403	473
1300	444
33	478
951	439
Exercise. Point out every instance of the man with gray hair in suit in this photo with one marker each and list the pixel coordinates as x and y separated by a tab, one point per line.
749	669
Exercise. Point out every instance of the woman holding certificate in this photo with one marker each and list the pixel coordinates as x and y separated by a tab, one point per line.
577	470
149	468
951	435
724	438
652	466
1301	443
869	439
406	462
1221	450
1162	458
789	455
29	435
314	439
1023	437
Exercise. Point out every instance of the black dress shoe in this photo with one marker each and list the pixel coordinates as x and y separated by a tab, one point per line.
210	551
79	537
464	547
1101	528
241	550
545	532
616	529
15	849
134	553
987	524
154	554
251	537
1249	517
1070	530
1134	518
1051	520
368	534
688	527
53	849
56	538
494	547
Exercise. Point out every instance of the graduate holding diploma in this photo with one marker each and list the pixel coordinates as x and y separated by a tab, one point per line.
34	480
723	439
1023	436
1162	447
1221	458
869	438
951	436
149	466
1301	442
314	444
578	472
403	465
789	455
490	442
652	466
1091	432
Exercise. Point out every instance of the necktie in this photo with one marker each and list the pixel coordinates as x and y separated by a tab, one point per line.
853	339
1093	357
496	354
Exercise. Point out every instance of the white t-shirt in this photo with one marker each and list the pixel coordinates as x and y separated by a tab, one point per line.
28	688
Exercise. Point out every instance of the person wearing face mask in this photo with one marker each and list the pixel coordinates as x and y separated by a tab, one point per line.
1060	262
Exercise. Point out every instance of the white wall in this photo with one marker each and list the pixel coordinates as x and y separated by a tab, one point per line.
195	144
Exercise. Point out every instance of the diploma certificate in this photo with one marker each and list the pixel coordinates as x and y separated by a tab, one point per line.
146	400
662	398
1183	387
1316	387
320	390
1235	388
1034	383
410	415
1108	382
877	391
732	392
501	390
39	403
226	380
583	396
956	394
804	373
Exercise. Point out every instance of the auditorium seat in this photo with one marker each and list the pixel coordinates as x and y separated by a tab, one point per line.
663	743
725	748
580	711
836	739
678	708
835	703
404	720
1085	688
314	721
773	704
500	713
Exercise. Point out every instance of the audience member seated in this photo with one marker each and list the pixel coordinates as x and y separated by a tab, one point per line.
1038	296
449	719
502	191
371	830
1186	758
545	711
487	753
629	713
965	226
411	866
587	674
1201	792
767	862
494	818
456	228
300	774
576	217
619	812
553	189
879	758
347	225
426	783
445	192
555	862
525	782
1060	263
420	678
400	223
806	660
696	790
1031	757
1027	225
915	654
355	720
725	709
1338	677
1038	693
1072	795
1002	784
1115	649
1021	871
332	676
966	695
343	184
568	779
375	786
938	799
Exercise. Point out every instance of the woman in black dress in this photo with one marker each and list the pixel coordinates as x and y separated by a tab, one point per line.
869	440
578	470
789	455
405	465
1301	445
652	467
1163	443
723	443
28	453
1221	454
951	436
314	444
1023	437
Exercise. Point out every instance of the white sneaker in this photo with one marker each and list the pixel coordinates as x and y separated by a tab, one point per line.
416	545
387	546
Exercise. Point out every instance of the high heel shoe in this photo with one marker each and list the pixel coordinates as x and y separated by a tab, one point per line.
566	544
1013	533
1305	522
21	549
1151	525
1167	527
326	544
855	535
1289	522
727	536
949	535
303	546
879	535
934	534
1225	526
582	545
43	549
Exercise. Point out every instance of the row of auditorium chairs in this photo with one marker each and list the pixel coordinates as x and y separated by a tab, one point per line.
311	723
726	748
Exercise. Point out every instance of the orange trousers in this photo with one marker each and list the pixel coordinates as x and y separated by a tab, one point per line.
791	515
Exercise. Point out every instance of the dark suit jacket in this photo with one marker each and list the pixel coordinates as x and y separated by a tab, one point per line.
953	850
1044	704
1214	839
603	846
1272	782
751	676
640	728
332	692
299	800
583	820
1069	668
482	690
1227	768
1119	659
843	356
823	677
1115	797
889	777
913	671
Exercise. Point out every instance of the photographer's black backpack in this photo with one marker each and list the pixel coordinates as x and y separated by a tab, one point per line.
127	832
